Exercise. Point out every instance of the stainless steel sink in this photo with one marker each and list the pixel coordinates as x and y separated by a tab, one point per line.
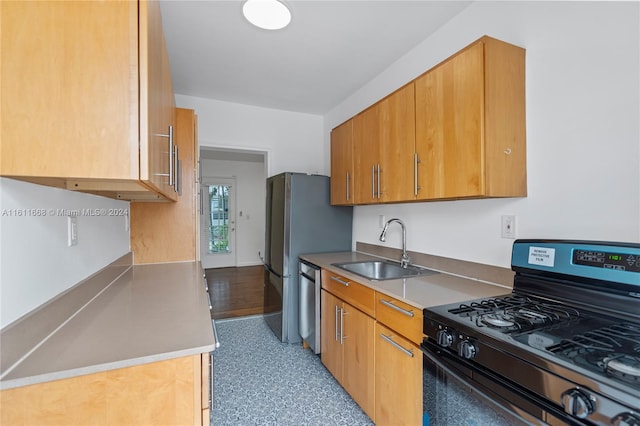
379	270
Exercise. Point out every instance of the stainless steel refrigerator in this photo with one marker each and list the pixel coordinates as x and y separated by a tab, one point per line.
299	219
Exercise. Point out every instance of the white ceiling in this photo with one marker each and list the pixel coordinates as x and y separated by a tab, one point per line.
330	49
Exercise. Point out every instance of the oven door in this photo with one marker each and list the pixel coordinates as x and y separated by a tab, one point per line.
453	394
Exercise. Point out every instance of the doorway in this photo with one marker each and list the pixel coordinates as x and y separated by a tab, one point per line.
218	223
245	171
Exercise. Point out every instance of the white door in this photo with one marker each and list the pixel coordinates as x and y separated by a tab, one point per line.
218	223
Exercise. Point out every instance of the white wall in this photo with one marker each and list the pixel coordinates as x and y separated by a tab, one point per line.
35	262
250	200
583	131
293	141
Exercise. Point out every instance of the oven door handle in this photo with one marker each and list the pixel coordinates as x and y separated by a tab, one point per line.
431	351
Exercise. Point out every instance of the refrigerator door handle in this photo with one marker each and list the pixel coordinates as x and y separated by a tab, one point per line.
268	268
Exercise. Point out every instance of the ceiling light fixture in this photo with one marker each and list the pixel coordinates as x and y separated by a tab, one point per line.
267	14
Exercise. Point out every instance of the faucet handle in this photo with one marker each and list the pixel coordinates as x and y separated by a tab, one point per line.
405	260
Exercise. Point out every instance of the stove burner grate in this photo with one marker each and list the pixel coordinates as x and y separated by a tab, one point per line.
514	313
615	350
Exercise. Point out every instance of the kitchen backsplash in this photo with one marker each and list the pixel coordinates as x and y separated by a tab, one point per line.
36	261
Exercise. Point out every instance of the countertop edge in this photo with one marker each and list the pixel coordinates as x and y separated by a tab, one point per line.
206	342
390	287
99	368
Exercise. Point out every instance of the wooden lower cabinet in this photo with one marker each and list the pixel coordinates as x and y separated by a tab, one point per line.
348	349
159	393
398	379
376	355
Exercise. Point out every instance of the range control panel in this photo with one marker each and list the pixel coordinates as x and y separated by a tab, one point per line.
607	260
616	262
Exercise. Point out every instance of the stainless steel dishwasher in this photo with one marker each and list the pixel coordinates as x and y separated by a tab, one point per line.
309	319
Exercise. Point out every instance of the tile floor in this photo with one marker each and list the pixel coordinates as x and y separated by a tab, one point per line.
262	381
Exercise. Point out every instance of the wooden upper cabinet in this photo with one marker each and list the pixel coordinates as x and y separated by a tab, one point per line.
86	87
397	129
342	164
157	102
457	131
366	156
384	139
470	124
152	240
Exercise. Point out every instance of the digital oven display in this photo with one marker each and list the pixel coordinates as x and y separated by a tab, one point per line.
607	260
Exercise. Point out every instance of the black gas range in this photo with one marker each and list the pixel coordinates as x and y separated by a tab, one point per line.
563	347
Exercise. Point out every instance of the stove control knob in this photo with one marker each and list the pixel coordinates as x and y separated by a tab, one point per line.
445	338
626	419
578	403
466	349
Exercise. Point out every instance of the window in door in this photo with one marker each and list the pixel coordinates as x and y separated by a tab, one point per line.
219	219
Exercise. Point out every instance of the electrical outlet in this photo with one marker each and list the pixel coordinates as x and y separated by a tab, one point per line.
72	231
509	226
381	220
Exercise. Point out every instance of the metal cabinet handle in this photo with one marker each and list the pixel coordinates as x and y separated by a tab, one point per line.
215	333
373	182
336	324
176	169
348	186
171	173
389	339
211	382
397	308
343	282
342	336
379	193
415	173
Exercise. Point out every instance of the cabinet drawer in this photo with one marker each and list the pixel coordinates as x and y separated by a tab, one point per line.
352	292
400	317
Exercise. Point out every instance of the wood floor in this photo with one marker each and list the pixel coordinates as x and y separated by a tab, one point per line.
236	292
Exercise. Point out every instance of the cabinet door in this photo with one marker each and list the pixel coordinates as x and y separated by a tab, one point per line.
69	104
166	232
384	146
398	377
157	103
449	127
166	392
331	348
358	353
366	156
397	145
342	164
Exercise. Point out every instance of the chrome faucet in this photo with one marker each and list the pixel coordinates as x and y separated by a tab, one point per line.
405	259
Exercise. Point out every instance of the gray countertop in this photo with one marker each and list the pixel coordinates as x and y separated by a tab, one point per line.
150	313
422	291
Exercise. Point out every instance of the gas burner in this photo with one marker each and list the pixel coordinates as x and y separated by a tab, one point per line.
625	367
534	317
498	320
489	305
